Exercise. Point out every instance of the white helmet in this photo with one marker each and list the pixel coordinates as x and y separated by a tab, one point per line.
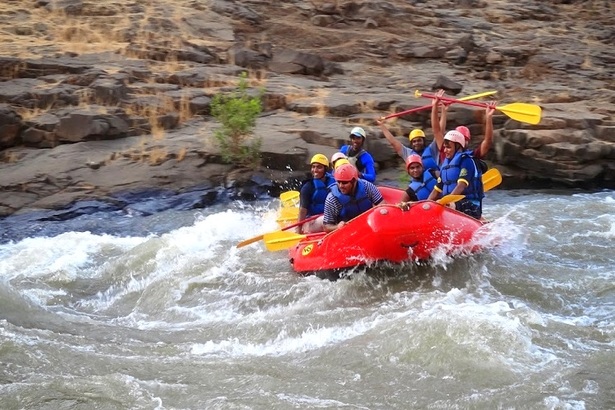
456	136
358	131
337	155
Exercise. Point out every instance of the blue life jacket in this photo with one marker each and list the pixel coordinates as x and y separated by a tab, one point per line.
429	162
353	205
321	189
449	174
422	188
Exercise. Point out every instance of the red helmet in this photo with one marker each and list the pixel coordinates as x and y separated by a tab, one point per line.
346	172
465	132
414	158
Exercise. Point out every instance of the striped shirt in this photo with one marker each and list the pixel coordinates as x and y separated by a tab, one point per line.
333	207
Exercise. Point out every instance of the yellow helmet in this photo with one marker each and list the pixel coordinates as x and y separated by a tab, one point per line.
320	159
416	133
341	161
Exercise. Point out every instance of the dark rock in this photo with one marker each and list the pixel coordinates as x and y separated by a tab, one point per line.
10	125
296	62
443	83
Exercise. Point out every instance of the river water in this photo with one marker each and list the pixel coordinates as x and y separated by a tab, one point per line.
164	312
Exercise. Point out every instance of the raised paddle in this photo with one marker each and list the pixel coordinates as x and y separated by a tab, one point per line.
259	237
522	112
425	107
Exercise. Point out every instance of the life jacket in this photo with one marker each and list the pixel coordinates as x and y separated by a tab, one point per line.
449	174
321	189
352	205
423	187
429	162
354	160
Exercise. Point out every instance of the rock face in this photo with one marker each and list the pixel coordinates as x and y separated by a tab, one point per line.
108	96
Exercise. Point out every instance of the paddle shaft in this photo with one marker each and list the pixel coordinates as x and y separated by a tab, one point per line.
425	107
453	100
260	237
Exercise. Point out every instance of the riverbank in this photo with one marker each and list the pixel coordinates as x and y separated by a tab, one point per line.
99	100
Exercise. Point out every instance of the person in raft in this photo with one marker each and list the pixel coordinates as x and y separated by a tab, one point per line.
422	181
336	159
358	156
483	148
349	197
313	193
429	153
459	175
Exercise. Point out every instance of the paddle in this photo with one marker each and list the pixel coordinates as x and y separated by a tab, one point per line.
289	198
278	241
425	107
528	113
448	199
288	214
259	237
491	179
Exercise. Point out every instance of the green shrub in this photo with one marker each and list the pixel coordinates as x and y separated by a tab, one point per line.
237	113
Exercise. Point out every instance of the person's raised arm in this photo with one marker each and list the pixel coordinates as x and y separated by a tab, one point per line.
443	113
488	141
387	134
438	131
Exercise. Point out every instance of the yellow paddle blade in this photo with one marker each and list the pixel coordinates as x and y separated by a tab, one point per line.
477	96
289	199
288	214
491	179
449	199
528	113
280	240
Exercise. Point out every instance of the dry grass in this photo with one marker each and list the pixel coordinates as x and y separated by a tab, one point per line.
27	114
9	157
157	156
181	154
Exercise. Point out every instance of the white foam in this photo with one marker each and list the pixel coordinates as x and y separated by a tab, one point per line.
67	255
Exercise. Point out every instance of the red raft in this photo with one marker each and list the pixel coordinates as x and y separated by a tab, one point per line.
387	233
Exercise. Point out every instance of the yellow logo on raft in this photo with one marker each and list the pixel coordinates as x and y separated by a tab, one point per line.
306	251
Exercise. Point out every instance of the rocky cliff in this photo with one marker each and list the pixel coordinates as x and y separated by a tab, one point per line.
100	97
